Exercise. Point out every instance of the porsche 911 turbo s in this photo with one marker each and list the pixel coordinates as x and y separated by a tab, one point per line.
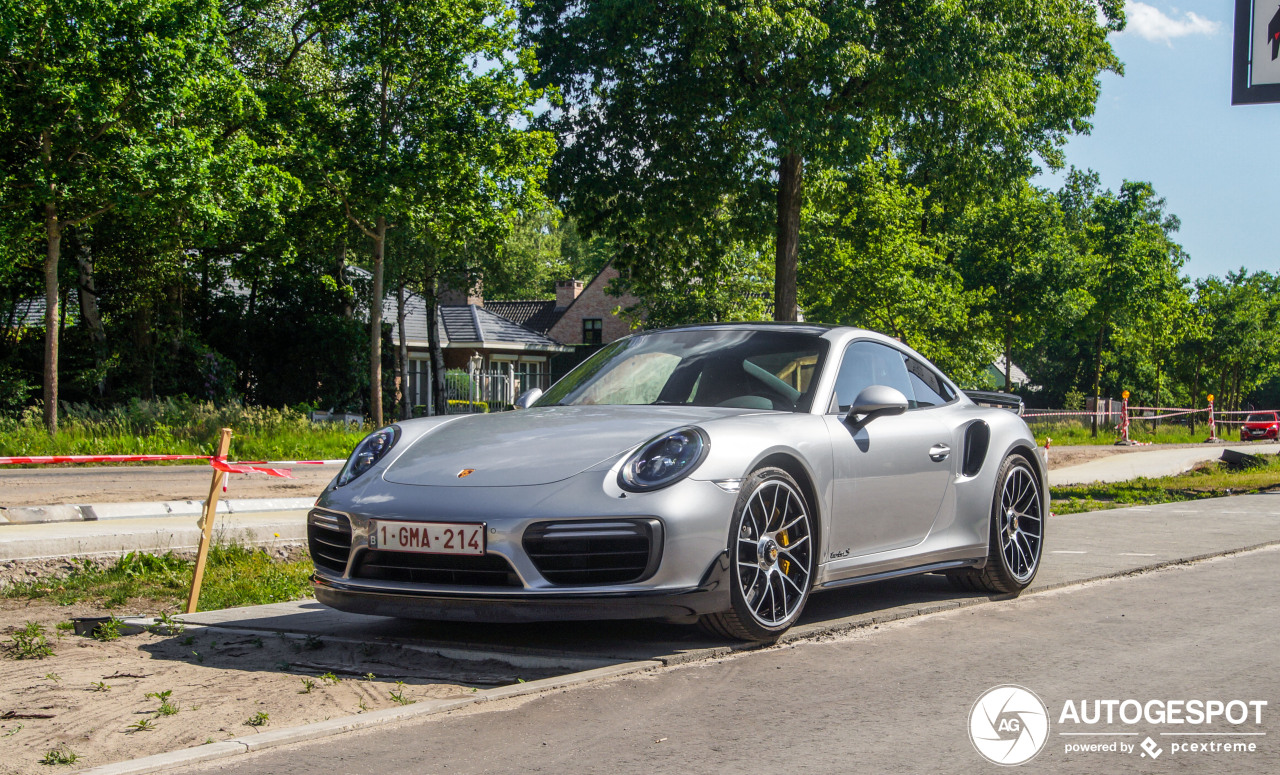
717	474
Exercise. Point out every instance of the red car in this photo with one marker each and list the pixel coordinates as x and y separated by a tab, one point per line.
1260	425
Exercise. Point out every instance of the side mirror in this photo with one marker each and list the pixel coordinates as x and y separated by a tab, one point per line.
875	401
528	397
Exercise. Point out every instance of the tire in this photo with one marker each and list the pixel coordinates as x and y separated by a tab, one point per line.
1016	533
772	550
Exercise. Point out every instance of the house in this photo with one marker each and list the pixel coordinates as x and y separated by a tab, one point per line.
473	339
517	337
579	315
994	375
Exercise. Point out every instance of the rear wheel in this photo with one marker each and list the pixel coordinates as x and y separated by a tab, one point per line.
1017	533
771	550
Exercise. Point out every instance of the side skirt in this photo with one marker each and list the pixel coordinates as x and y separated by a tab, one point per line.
936	567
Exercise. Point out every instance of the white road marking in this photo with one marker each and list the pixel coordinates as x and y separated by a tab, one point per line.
1135	554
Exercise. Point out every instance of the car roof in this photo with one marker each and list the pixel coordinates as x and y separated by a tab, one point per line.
761	325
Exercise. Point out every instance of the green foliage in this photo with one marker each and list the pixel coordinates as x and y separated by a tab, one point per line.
697	124
60	755
108	630
236	575
30	642
259	719
869	264
179	426
397	695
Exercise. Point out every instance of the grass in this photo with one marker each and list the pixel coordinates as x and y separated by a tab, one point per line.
1210	480
236	575
1075	433
178	427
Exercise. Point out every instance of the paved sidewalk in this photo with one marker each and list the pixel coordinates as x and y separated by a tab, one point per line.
148	534
1122	467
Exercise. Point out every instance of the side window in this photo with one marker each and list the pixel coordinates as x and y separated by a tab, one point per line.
929	388
870	363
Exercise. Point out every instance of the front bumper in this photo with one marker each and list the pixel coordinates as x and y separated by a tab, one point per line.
681	605
690	520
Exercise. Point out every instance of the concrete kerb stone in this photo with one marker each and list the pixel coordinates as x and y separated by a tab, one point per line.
164	761
262	741
34	515
88	512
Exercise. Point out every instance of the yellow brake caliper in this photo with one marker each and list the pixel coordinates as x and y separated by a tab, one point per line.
785	541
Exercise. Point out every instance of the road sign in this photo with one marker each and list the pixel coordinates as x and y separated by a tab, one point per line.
1255	65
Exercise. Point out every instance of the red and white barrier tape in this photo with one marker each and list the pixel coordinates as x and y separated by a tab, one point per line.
280	468
55	459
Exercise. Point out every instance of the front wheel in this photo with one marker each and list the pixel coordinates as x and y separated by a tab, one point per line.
1017	533
771	550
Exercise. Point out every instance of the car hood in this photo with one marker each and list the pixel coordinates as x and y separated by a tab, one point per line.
535	446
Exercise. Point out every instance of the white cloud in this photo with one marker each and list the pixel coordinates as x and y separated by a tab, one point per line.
1150	23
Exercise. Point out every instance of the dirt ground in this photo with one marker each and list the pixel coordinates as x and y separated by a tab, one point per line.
219	682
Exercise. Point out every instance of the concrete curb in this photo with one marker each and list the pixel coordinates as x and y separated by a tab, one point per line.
279	737
88	512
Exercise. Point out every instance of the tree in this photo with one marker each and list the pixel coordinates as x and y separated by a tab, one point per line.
672	109
430	98
105	105
1016	251
870	264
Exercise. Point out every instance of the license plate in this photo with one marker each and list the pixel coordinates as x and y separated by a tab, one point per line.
427	537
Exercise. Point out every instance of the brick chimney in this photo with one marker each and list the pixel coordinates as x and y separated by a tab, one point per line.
566	292
450	296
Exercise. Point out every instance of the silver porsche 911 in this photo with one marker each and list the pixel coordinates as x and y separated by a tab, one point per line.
717	474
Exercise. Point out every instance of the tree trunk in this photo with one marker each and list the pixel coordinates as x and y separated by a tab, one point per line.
340	275
1195	395
402	358
1008	357
439	401
790	196
1097	377
375	323
53	236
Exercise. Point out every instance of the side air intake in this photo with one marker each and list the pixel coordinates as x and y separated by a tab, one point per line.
976	439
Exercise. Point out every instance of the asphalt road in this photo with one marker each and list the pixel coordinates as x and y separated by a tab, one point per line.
895	698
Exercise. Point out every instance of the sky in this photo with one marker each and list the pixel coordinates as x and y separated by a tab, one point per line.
1169	121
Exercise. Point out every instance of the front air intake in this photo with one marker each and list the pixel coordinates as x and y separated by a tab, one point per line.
595	552
329	539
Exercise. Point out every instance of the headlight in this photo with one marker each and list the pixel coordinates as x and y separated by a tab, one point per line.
369	451
664	460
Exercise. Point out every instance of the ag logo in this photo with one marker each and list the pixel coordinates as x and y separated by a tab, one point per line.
1008	725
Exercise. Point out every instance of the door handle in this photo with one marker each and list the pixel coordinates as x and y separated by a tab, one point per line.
939	452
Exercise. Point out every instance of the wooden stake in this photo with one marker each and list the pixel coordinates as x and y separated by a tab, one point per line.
206	521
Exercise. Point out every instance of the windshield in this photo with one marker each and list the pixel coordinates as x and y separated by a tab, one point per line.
1261	418
742	368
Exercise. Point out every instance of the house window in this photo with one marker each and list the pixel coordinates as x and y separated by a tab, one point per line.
592	331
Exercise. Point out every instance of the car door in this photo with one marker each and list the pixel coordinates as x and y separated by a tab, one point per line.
891	475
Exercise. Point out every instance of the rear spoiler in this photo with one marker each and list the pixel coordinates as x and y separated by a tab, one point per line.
996	400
